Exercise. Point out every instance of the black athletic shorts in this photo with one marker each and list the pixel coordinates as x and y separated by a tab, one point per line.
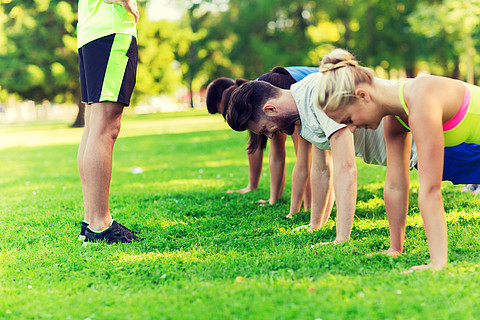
108	69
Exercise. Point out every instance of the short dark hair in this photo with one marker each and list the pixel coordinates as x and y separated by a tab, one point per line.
227	93
247	101
214	93
279	77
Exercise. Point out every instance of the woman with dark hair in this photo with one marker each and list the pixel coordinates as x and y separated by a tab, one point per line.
301	182
218	95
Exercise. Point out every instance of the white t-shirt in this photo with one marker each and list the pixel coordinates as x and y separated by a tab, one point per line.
317	127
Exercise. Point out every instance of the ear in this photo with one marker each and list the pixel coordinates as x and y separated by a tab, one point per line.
270	108
362	94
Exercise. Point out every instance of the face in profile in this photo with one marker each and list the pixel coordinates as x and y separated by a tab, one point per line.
361	113
270	125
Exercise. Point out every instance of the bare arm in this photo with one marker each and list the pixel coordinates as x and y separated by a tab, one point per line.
129	5
322	191
395	192
255	161
426	119
277	166
344	181
300	174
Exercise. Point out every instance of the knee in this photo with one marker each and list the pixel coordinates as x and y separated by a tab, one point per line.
113	131
104	132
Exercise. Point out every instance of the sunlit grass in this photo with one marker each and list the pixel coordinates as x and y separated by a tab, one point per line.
209	254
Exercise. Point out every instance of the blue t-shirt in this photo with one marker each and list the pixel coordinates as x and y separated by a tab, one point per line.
298	73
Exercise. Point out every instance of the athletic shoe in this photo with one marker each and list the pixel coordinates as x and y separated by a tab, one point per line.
116	233
477	190
470	188
83	228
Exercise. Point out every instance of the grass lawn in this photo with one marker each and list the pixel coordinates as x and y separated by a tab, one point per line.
209	254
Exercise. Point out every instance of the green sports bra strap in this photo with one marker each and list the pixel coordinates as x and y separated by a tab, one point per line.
404	105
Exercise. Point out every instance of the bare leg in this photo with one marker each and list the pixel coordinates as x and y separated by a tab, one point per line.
80	156
95	160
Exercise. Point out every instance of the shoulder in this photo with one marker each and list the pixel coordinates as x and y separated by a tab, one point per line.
429	87
434	94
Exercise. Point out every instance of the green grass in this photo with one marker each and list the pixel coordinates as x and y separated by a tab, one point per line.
208	254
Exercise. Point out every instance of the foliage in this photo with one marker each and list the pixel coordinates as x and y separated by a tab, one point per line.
450	24
208	254
39	57
241	39
269	33
158	42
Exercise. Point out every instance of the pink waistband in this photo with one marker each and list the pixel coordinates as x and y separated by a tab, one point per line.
452	123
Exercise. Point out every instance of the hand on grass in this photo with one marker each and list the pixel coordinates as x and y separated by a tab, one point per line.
390	252
420	268
305	226
265	203
325	243
242	191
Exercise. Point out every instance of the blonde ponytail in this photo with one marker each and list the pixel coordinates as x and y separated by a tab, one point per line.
340	74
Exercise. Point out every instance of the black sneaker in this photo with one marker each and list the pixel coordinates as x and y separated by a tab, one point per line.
116	233
83	228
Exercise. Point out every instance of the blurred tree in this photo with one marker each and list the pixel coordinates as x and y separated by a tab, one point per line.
377	32
209	45
158	42
269	33
39	60
449	27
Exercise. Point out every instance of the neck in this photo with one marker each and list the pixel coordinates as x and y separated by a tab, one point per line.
290	106
386	95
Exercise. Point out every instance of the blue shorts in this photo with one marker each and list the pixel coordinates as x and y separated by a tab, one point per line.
461	164
108	69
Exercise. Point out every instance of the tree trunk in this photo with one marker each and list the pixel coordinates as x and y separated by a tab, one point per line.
80	120
456	71
191	58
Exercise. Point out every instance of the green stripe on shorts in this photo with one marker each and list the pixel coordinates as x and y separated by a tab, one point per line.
117	63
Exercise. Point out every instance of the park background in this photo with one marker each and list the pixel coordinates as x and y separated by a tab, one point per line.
183	45
209	254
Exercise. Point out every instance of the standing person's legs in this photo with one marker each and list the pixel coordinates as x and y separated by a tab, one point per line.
80	156
103	127
107	74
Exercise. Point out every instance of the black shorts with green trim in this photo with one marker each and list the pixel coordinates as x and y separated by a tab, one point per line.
108	69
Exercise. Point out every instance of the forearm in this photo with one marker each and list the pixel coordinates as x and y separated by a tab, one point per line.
255	162
299	184
345	187
307	196
396	206
277	179
276	163
433	215
322	195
